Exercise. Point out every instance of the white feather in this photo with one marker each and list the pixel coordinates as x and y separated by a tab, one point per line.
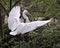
27	27
13	19
17	27
25	16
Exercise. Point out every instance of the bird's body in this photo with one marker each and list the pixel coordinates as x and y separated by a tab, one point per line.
17	27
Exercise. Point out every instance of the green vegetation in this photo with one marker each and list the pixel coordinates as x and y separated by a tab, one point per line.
43	37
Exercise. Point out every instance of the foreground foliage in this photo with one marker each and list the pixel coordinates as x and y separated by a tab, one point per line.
43	37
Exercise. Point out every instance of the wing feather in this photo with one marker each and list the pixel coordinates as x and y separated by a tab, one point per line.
27	27
13	19
15	12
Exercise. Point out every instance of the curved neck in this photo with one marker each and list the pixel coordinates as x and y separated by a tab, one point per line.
25	17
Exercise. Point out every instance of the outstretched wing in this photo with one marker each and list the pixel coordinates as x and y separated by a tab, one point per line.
13	19
15	12
33	25
27	27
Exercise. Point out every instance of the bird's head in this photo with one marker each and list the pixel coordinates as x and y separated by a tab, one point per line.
27	13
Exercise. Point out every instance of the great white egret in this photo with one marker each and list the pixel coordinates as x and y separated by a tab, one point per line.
25	12
17	27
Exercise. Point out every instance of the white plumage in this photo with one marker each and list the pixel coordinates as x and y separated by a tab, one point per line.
17	27
25	16
13	19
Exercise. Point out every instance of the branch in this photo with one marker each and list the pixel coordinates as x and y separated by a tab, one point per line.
1	30
4	9
4	2
10	4
16	3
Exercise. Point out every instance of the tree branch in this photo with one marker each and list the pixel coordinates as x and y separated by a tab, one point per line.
16	3
4	9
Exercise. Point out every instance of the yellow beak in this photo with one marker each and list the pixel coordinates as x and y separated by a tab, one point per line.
29	14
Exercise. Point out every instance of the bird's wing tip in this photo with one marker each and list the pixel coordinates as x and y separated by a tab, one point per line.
13	33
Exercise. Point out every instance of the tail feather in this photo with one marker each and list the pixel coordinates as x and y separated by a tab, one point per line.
13	33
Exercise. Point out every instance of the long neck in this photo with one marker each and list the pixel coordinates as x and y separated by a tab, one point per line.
26	17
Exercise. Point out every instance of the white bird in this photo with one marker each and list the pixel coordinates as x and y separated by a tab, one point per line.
25	12
17	27
13	19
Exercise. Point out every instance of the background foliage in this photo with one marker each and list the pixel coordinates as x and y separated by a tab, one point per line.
43	37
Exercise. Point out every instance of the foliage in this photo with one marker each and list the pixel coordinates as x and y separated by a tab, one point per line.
43	37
